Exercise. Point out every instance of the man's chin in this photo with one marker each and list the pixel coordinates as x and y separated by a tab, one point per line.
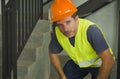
69	36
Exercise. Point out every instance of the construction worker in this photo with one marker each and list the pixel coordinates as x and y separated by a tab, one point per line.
82	40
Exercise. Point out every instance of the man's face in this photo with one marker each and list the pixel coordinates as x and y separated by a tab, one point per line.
68	26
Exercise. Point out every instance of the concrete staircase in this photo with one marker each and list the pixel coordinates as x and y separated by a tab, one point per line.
33	62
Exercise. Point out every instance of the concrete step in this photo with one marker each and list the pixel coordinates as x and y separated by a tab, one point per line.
40	69
27	58
22	72
42	26
35	40
37	66
28	55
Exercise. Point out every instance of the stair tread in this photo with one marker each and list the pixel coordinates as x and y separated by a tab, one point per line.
28	54
24	63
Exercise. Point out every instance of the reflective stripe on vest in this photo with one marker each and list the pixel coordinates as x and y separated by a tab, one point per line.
97	63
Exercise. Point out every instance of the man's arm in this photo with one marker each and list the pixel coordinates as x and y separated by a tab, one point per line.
57	64
107	63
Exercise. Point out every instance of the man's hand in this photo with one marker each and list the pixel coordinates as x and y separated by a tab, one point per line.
107	63
63	77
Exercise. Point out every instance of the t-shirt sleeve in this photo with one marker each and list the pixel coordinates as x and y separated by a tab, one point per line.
54	46
96	39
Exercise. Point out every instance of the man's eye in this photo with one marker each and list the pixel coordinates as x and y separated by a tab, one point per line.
68	22
59	25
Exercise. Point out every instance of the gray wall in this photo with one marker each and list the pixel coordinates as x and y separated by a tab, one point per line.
106	18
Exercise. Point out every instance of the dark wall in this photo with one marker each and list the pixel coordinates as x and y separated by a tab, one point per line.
91	6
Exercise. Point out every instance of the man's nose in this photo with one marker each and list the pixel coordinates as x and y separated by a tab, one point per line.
66	27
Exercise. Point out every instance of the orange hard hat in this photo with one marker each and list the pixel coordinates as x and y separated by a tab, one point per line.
61	9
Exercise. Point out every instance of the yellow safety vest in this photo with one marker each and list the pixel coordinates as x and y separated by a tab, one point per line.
82	52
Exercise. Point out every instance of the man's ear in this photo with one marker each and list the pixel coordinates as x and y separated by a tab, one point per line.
76	17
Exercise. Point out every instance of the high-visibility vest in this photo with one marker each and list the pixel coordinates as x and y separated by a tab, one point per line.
82	52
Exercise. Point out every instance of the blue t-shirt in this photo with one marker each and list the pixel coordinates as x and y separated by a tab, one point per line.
94	37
